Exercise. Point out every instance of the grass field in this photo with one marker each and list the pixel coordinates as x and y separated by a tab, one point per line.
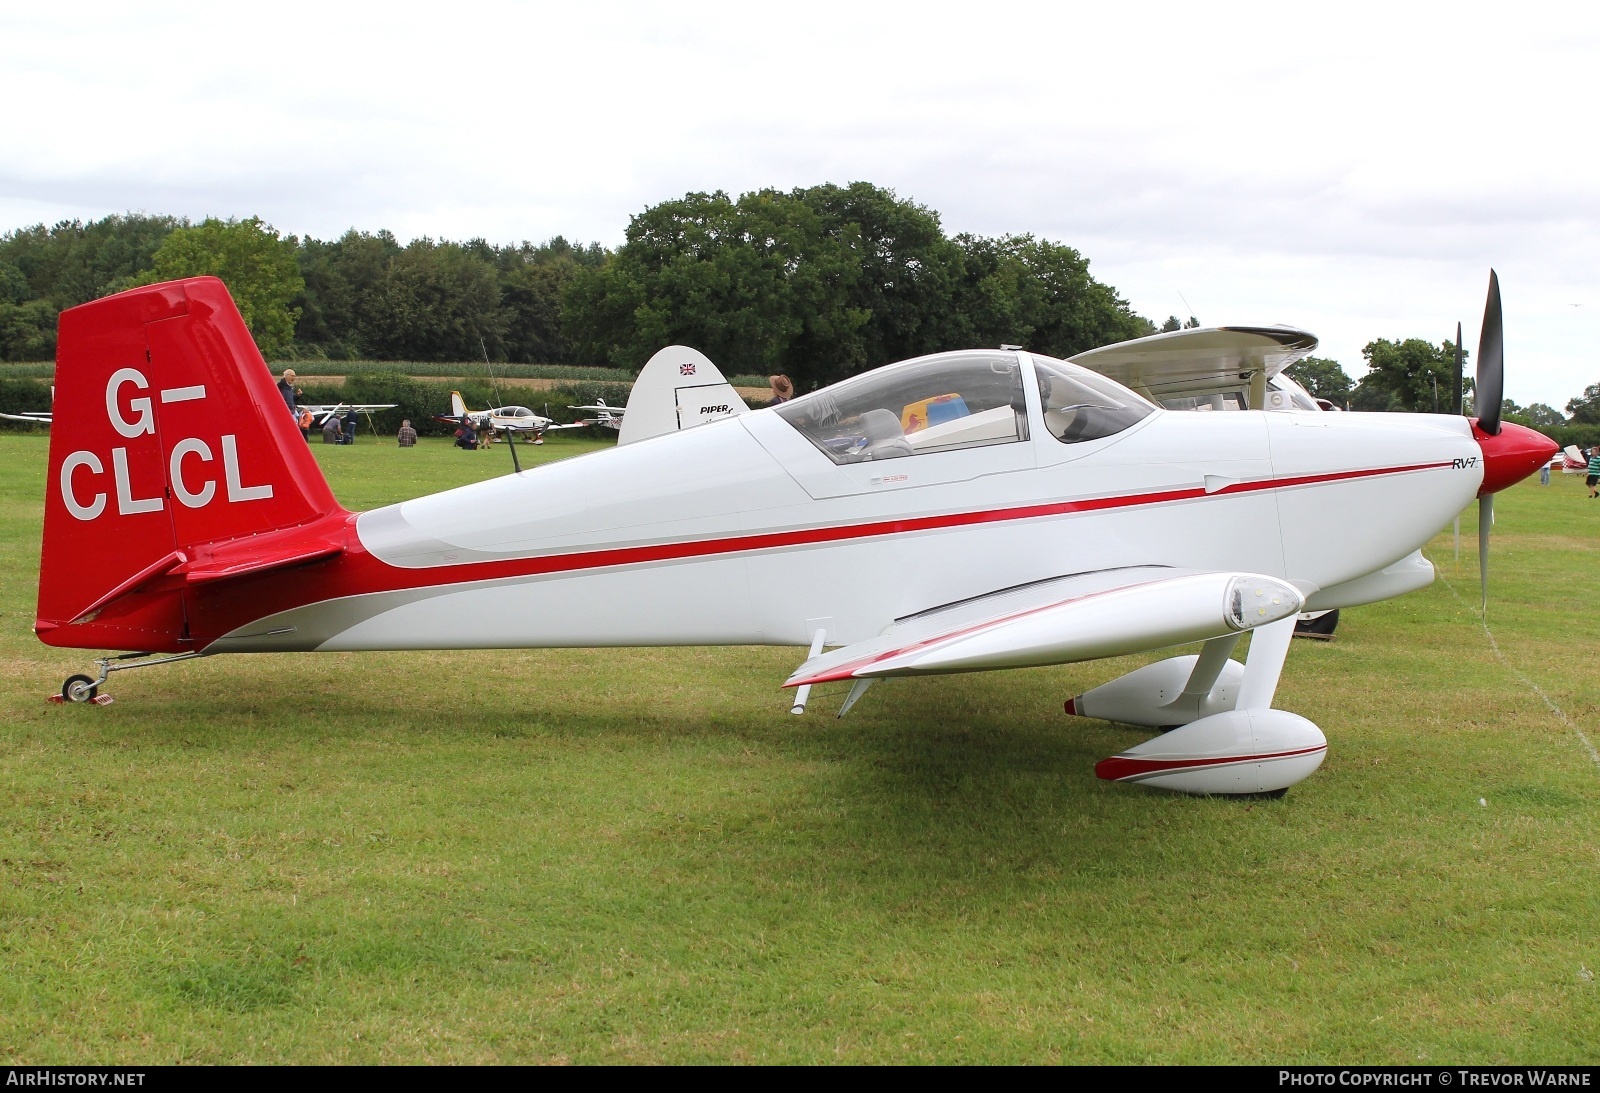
641	856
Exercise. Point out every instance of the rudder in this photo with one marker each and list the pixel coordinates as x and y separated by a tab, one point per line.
169	438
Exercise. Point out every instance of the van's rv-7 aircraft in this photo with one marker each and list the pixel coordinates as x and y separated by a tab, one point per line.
961	512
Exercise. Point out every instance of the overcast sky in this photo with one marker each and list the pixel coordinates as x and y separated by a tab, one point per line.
1353	170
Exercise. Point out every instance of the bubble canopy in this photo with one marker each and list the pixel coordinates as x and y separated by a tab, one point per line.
952	401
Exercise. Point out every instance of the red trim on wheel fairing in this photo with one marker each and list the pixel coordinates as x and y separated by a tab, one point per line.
1134	768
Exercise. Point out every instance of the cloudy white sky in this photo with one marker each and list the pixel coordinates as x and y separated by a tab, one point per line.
1351	169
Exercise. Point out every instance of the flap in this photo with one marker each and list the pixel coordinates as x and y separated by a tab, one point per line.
1081	616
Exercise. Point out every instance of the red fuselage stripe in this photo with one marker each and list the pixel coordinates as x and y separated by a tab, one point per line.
224	606
775	540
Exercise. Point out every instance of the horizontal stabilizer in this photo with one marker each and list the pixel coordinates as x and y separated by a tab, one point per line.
302	556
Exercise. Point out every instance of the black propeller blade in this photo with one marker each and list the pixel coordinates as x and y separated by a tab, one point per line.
1489	389
1490	384
1455	392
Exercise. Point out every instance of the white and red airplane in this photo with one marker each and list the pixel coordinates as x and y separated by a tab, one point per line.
510	419
321	412
602	416
960	512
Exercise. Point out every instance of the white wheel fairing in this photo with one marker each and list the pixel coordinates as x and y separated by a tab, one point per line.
1240	751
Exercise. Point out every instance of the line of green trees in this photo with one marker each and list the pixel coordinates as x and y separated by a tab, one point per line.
1414	376
817	282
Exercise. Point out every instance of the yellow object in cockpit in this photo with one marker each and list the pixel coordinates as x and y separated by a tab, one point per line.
932	411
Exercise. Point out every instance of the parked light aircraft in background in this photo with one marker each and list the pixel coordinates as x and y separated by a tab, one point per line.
1212	368
960	512
35	417
321	412
511	419
601	415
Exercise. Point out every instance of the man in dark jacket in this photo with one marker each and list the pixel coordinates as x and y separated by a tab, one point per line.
288	390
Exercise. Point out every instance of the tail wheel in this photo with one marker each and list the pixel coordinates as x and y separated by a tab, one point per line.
79	689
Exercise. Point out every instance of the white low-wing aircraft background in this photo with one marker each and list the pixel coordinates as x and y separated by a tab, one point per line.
321	412
966	511
602	416
510	419
35	417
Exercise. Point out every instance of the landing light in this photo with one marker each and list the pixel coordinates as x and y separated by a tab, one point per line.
1256	601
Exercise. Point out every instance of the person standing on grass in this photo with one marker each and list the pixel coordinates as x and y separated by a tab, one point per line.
350	427
407	435
330	429
1594	470
288	390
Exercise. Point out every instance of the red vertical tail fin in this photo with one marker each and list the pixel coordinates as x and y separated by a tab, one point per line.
169	438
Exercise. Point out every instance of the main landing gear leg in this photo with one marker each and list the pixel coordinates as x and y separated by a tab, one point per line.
81	688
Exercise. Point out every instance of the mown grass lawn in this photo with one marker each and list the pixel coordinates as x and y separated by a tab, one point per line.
641	856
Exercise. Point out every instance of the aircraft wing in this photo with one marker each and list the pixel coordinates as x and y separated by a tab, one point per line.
614	411
321	412
1200	360
1081	616
41	418
550	428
